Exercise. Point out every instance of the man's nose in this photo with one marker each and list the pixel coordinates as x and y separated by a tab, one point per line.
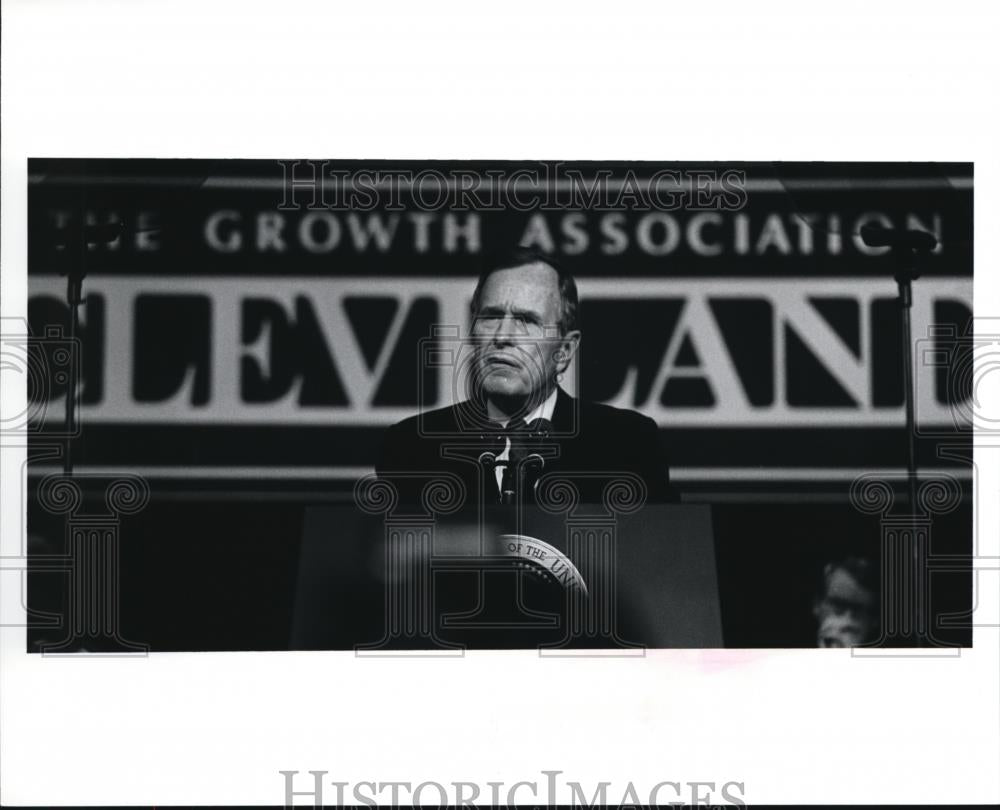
506	331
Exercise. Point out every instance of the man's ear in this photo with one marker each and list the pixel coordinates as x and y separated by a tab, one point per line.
568	344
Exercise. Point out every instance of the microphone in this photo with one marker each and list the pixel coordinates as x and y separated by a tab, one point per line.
907	239
908	247
534	460
488	457
522	461
76	231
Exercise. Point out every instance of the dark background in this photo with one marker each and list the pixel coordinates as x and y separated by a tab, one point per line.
210	563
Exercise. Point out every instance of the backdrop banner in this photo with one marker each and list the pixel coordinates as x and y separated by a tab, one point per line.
264	321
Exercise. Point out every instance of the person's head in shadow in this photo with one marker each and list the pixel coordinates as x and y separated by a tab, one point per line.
846	606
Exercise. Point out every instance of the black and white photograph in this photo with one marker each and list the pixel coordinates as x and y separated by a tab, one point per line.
581	407
415	400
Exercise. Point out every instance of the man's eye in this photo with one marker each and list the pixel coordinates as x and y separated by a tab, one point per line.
518	324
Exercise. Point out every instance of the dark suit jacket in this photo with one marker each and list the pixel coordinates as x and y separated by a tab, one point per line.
592	441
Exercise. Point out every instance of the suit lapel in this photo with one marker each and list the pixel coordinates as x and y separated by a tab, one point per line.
472	423
563	415
564	429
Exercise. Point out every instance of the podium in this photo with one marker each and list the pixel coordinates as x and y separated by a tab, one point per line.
564	579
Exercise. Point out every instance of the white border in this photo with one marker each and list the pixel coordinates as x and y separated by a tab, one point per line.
767	80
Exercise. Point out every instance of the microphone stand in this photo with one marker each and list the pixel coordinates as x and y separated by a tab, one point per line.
908	603
905	284
74	298
908	247
78	237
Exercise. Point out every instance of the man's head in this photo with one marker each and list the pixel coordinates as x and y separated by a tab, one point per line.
847	609
525	329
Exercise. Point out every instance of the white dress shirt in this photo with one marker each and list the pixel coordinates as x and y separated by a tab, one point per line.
543	411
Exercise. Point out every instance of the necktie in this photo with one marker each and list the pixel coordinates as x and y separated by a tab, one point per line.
513	433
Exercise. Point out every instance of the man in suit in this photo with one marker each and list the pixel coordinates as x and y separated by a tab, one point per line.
517	425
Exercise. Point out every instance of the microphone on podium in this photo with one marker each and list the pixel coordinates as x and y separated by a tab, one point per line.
523	460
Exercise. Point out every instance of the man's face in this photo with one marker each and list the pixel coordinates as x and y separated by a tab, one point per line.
518	346
846	613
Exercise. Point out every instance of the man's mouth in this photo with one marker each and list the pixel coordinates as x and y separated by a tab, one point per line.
501	360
